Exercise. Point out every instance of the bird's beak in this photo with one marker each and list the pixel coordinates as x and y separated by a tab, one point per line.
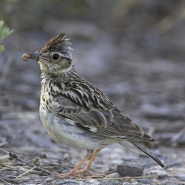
34	56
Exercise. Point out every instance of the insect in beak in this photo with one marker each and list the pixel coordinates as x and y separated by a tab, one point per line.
34	56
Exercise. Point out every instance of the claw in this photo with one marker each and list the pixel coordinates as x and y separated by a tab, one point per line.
75	172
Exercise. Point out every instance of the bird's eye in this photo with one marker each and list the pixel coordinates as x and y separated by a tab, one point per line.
55	56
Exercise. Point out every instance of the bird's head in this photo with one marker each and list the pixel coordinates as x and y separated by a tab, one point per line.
55	57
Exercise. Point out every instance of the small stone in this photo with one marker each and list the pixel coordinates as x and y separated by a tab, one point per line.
127	183
113	175
130	157
158	171
171	183
144	181
66	156
155	180
181	177
71	182
92	182
49	179
162	176
110	182
117	161
24	179
130	169
115	156
133	181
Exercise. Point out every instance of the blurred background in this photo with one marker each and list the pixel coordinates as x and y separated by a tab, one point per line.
132	50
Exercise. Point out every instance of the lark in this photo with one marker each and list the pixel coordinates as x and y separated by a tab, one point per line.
75	112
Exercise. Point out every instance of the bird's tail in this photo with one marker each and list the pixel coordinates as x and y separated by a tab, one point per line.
144	149
138	147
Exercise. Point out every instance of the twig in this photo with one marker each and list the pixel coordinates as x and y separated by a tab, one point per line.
4	181
26	172
2	144
63	165
22	160
4	150
13	156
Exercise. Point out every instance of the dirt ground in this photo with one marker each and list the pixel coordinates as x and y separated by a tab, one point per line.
138	64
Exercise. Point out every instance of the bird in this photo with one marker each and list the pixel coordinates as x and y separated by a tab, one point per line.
77	113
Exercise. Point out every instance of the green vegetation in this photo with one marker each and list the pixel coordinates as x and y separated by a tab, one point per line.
4	32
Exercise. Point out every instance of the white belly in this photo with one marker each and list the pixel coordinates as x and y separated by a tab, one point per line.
62	132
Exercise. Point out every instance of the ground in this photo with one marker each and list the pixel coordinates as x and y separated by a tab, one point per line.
140	69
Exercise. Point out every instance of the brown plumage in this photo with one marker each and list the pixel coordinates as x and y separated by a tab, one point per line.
77	113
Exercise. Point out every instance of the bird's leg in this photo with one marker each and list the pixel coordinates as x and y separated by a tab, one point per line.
87	167
75	169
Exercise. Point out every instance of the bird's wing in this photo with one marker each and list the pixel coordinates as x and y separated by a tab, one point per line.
84	108
87	107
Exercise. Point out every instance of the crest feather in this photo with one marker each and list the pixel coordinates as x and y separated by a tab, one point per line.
59	43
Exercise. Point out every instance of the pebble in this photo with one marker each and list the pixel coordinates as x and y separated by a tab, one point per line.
74	182
127	183
110	182
71	182
133	181
181	177
49	179
117	161
92	182
130	169
115	156
156	170
171	183
66	156
130	157
24	179
155	181
113	175
144	181
111	179
163	175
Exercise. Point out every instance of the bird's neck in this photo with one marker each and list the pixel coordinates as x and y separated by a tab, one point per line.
59	76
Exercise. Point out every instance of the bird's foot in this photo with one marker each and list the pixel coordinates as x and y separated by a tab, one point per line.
80	172
77	173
